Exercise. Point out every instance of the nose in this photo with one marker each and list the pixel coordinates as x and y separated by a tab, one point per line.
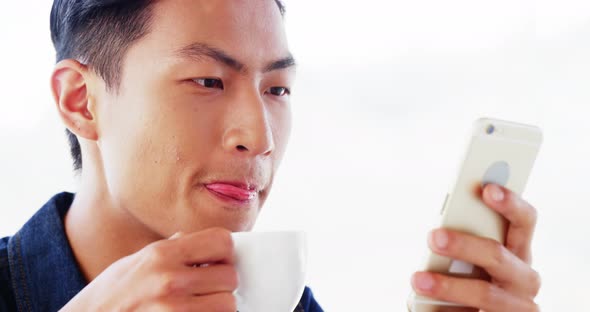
248	130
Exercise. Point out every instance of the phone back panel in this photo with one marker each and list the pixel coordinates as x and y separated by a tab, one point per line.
503	156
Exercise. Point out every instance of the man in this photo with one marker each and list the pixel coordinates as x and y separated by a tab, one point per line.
178	117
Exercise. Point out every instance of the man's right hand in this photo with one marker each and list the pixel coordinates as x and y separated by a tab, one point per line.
192	272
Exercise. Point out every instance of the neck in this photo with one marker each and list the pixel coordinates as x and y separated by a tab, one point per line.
99	230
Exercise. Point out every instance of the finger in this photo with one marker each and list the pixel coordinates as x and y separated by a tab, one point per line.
209	246
222	302
456	309
209	280
469	292
505	268
196	281
413	306
521	215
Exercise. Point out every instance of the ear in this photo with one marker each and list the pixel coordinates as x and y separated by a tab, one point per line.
69	85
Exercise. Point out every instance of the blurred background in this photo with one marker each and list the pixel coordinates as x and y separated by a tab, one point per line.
385	98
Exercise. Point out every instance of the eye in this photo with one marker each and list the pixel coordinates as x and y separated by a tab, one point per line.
209	83
279	91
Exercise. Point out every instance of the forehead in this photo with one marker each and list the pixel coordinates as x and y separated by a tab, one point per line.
252	30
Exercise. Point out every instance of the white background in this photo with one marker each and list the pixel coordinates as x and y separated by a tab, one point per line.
386	94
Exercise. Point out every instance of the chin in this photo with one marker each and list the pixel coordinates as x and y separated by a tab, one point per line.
242	225
231	222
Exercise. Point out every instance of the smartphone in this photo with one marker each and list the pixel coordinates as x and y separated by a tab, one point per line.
499	152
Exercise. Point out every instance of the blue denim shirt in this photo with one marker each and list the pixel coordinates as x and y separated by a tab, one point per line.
38	271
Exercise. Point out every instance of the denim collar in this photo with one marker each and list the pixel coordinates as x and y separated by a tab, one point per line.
45	274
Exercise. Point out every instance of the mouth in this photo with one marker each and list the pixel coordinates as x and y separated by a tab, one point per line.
236	193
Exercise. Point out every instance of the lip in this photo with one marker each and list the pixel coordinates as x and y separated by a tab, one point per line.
235	193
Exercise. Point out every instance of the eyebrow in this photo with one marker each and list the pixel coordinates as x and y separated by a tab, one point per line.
283	63
199	50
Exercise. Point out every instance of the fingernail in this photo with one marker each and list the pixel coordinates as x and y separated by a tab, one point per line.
423	281
496	193
440	239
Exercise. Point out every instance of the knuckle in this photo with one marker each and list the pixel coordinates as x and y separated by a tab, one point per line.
535	282
529	211
489	295
529	306
222	239
224	302
156	252
164	307
500	254
232	305
232	278
166	284
533	214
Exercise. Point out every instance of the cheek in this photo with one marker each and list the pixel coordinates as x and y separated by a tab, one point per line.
193	129
158	137
135	148
281	128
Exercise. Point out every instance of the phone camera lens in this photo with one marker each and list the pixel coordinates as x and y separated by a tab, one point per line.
490	129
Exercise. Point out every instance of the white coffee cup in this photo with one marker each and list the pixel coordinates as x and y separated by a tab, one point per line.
271	268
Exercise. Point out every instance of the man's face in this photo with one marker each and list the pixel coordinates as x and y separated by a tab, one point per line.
201	120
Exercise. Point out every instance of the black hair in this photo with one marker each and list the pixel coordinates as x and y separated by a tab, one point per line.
98	33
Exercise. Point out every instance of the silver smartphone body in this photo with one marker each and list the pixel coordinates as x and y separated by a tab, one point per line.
499	152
